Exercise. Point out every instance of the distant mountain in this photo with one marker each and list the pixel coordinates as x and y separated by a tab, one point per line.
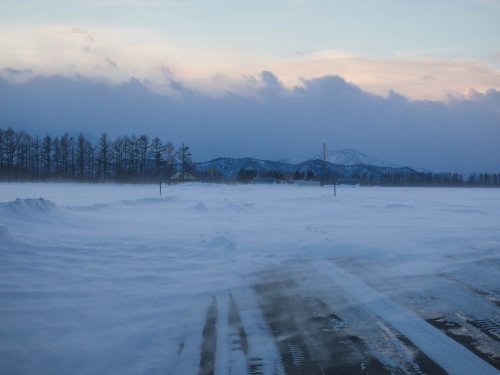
350	156
230	167
295	159
346	156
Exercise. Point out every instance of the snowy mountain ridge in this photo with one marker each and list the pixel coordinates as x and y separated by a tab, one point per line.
230	167
347	157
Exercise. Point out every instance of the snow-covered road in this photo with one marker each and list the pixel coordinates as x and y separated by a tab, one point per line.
248	279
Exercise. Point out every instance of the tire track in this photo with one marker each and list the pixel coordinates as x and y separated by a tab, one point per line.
319	319
209	343
307	335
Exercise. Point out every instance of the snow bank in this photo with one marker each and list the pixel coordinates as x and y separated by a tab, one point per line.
28	205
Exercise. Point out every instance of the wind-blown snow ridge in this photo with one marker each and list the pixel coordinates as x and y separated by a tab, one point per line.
91	207
140	201
28	205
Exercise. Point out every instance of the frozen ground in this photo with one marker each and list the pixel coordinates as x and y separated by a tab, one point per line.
109	279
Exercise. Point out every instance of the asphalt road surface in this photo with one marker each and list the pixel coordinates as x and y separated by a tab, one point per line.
318	318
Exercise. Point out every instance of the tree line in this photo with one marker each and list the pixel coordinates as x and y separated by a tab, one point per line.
140	159
126	159
430	179
396	178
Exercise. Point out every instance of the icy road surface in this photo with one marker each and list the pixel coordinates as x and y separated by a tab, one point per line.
214	279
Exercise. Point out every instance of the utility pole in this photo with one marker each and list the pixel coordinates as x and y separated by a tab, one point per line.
324	172
324	163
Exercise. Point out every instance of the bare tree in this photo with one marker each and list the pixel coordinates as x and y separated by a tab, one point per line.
2	149
156	158
46	156
103	157
126	159
169	160
142	146
184	158
80	155
64	147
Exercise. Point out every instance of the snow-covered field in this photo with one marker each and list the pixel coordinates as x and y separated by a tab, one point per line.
112	279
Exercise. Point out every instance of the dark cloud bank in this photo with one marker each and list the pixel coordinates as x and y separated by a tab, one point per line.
459	135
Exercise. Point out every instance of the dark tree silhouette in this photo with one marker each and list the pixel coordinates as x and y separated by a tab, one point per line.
170	160
131	159
184	158
103	158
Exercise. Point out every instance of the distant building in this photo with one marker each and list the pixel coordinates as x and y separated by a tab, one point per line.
348	181
307	183
179	177
263	181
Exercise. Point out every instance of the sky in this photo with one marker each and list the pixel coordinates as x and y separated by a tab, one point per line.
233	69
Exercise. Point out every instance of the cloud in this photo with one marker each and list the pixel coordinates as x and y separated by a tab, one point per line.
270	84
88	35
16	72
382	75
76	50
274	122
115	3
429	78
16	75
111	63
487	2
